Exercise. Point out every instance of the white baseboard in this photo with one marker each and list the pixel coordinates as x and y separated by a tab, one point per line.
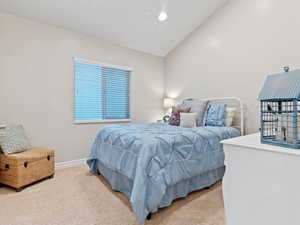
68	164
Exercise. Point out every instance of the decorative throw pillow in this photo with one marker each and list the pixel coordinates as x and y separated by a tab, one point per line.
184	105
13	139
198	106
216	115
188	120
175	117
229	115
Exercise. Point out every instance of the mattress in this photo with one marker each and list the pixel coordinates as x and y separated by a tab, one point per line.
154	157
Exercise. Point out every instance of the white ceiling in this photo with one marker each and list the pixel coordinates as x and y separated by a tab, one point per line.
129	23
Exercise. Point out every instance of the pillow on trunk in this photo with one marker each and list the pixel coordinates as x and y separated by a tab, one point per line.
13	139
175	117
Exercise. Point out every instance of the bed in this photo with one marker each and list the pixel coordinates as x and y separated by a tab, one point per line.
153	164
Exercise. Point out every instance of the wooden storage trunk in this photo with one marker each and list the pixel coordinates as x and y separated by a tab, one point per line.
21	169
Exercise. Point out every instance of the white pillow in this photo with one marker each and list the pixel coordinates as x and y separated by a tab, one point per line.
198	106
229	115
188	120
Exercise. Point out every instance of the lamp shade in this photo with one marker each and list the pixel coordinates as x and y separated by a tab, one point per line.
169	102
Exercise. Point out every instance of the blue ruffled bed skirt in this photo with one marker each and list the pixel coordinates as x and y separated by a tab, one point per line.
123	184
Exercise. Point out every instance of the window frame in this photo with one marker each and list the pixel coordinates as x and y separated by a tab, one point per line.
76	59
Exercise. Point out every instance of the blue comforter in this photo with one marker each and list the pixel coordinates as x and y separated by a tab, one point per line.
155	156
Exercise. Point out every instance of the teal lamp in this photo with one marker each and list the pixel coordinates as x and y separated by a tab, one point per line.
168	104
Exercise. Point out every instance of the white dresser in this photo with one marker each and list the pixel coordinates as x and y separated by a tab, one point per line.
261	185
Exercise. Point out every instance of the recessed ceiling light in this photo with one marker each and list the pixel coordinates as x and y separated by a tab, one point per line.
163	16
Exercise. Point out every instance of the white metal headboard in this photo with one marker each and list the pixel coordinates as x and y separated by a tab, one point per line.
238	120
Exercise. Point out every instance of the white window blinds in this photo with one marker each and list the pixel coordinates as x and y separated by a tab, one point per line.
101	93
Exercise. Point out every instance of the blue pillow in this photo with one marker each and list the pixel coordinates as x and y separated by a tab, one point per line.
216	115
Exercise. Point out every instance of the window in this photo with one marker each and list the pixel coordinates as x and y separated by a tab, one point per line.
101	92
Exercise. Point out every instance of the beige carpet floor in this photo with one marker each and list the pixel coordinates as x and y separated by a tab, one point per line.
74	197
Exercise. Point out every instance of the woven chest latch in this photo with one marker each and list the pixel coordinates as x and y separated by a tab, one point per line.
6	167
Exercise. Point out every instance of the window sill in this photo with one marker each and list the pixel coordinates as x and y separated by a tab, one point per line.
101	121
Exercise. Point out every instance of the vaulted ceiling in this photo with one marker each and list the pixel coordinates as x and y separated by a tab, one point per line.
129	23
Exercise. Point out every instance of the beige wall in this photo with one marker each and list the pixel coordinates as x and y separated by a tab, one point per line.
234	50
229	55
36	83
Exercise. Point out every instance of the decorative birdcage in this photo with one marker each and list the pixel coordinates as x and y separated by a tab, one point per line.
280	109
